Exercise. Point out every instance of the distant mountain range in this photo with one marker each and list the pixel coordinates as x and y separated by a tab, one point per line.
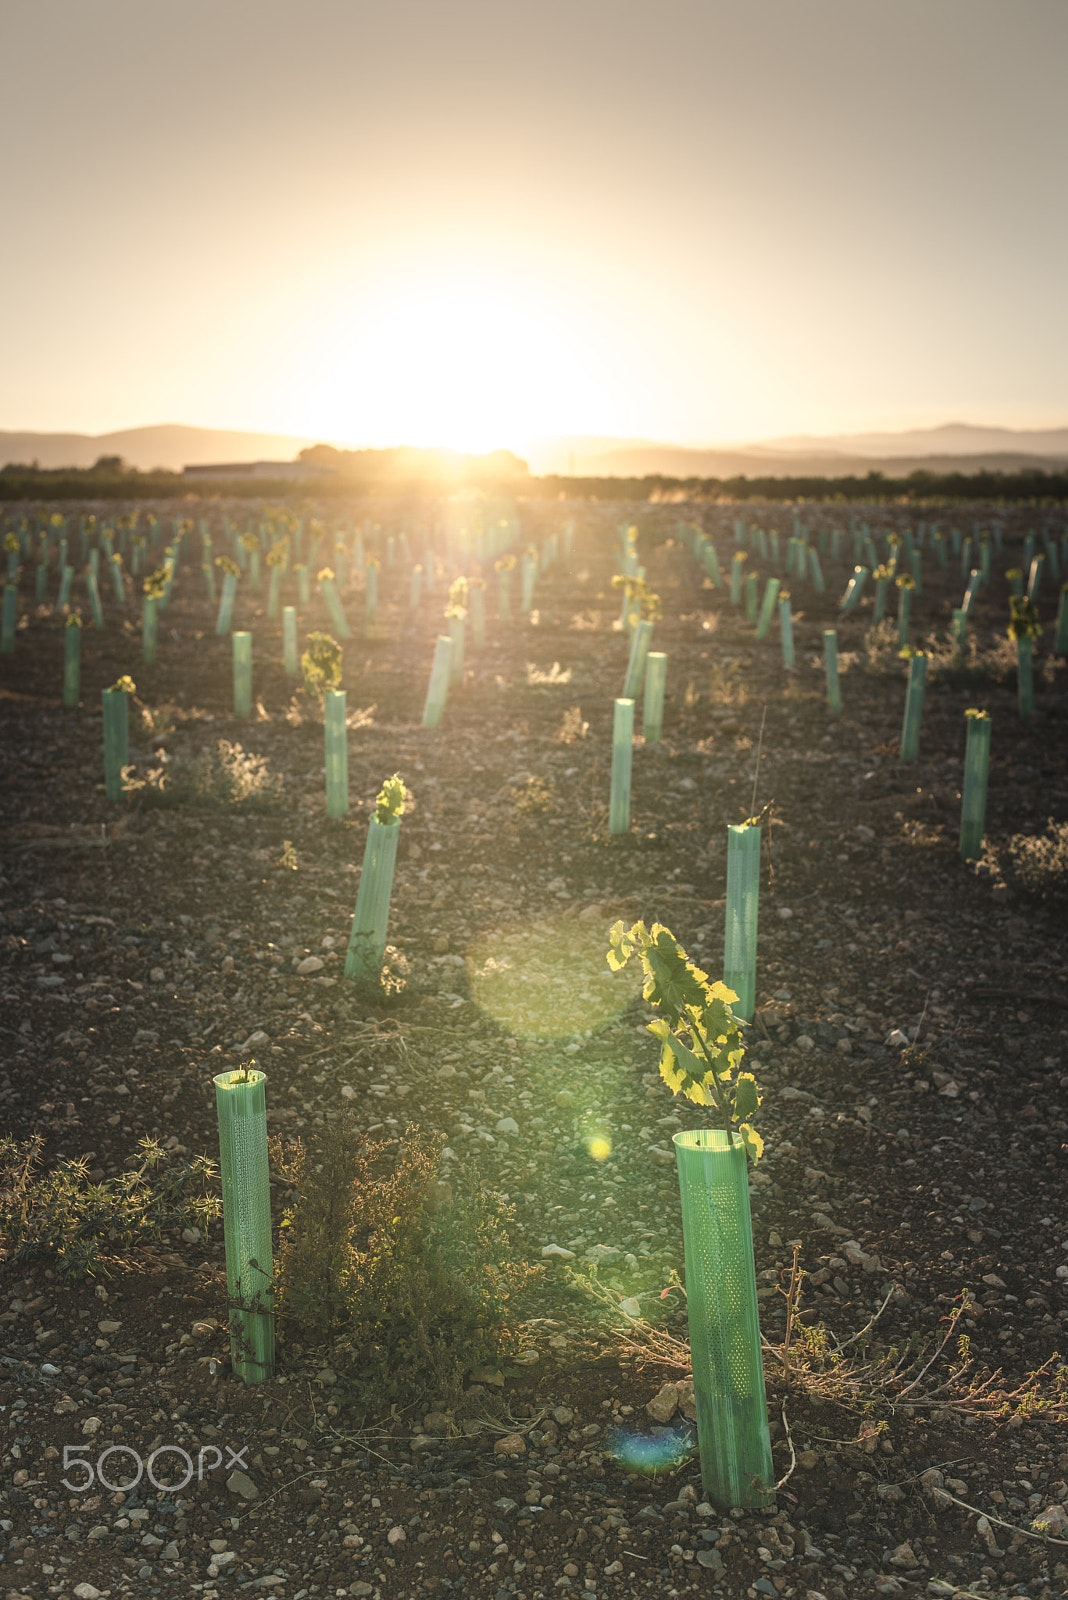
955	446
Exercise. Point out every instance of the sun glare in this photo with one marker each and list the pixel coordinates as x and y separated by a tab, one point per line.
465	365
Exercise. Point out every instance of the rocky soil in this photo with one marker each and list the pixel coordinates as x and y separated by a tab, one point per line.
910	1041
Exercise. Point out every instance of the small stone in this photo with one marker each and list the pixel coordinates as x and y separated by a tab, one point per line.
662	1406
397	1536
558	1251
507	1125
805	1041
157	975
603	1255
903	1556
436	1422
785	913
191	1235
808	1459
326	1375
86	1591
987	1536
310	964
564	1416
240	1483
91	1426
710	1559
109	1327
512	1444
1053	1521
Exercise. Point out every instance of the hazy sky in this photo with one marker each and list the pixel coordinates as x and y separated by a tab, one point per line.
476	221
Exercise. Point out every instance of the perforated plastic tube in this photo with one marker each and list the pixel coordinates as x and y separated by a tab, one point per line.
333	605
241	644
289	641
1060	639
830	663
370	922
640	640
786	629
438	689
973	796
337	754
767	608
910	727
66	582
854	588
226	604
72	662
116	749
148	629
728	1368
622	750
743	897
653	698
94	597
10	620
240	1101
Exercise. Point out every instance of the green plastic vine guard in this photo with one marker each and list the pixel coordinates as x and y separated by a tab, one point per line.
438	689
241	1106
9	622
371	596
226	604
622	752
274	593
904	610
415	588
1060	638
370	922
972	590
116	740
786	631
910	728
1025	678
333	605
767	608
242	652
815	571
737	565
337	753
303	585
830	666
148	629
640	640
530	574
66	583
653	697
854	589
752	589
743	896
290	661
711	560
504	594
456	659
94	598
973	795
72	662
40	582
958	628
476	600
721	1300
115	563
1034	578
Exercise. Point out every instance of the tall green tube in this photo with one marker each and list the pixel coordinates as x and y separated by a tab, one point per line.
303	585
910	728
737	568
290	660
226	605
786	631
653	698
958	628
905	586
242	652
370	922
815	571
438	689
504	594
275	591
94	597
9	621
973	794
333	604
752	589
240	1102
721	1300
337	755
148	629
622	752
712	564
371	596
743	896
854	589
767	608
1034	578
72	662
66	583
640	640
116	740
1060	638
456	659
530	574
476	600
115	563
830	665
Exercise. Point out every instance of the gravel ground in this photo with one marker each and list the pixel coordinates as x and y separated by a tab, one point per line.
910	1040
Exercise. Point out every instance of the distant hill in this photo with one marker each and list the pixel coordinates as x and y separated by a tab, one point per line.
171	445
949	439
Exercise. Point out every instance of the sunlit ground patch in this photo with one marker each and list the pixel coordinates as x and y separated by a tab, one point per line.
550	979
651	1453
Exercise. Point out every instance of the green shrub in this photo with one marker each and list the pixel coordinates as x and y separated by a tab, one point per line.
321	663
64	1216
411	1285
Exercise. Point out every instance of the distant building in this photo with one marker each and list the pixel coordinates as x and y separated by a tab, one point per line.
229	470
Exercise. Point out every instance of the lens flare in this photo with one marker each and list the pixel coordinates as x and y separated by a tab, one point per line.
550	979
651	1453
